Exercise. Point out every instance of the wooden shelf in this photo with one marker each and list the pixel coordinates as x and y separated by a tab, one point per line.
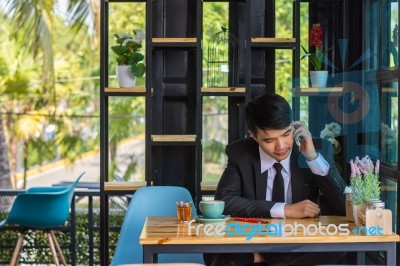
389	90
224	89
273	40
123	90
175	43
208	186
333	91
283	43
174	40
124	186
173	138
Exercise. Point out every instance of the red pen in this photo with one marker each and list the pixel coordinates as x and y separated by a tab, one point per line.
249	220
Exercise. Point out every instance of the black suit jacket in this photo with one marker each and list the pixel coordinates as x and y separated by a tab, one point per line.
244	189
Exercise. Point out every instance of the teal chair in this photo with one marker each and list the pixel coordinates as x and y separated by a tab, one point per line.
150	201
41	208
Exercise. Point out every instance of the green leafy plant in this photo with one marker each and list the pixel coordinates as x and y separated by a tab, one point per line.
316	40
357	190
364	180
128	51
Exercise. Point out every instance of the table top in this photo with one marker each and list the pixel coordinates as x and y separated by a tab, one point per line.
324	229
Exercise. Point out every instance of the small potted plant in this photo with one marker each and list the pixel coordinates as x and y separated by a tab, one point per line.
318	77
129	58
364	184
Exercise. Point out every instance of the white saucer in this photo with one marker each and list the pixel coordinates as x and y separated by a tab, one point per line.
202	219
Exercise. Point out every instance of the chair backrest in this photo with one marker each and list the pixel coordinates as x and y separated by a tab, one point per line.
72	187
150	201
42	207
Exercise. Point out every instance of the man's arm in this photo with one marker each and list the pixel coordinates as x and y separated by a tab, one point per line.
332	185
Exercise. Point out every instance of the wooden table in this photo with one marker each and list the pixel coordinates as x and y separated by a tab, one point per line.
166	235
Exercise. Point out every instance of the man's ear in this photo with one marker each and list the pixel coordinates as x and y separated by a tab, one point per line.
252	135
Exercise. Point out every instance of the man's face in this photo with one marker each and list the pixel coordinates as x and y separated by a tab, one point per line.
276	143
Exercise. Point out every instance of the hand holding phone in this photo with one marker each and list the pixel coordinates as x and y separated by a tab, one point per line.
303	139
297	139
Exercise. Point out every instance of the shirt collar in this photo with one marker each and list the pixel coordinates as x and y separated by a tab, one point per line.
267	161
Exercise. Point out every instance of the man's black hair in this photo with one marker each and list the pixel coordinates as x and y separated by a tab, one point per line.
268	111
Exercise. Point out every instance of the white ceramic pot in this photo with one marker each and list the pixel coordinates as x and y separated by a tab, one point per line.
125	77
319	78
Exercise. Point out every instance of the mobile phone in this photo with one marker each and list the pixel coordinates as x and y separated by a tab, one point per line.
298	139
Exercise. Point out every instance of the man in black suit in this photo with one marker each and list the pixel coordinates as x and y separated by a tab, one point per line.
268	175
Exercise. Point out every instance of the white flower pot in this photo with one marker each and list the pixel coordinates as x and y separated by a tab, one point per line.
319	78
125	77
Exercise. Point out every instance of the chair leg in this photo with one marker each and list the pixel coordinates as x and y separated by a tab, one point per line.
17	250
53	250
58	248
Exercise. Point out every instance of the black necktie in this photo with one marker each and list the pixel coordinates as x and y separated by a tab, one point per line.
278	189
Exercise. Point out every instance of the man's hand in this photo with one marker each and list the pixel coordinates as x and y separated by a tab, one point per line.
302	209
306	147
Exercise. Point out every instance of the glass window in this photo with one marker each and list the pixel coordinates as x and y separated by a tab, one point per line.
371	29
215	137
390	34
284	18
304	36
389	126
126	136
388	195
124	18
394	34
216	43
283	73
278	17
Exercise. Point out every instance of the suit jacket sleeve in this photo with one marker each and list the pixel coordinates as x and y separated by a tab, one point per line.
331	186
237	184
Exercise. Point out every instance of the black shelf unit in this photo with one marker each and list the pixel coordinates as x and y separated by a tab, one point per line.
172	100
174	94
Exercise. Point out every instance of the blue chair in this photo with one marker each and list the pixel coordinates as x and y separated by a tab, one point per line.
150	201
41	208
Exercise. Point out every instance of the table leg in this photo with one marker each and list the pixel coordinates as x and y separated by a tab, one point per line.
361	257
391	254
148	255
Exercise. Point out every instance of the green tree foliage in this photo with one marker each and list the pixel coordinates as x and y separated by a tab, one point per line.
40	42
27	101
123	126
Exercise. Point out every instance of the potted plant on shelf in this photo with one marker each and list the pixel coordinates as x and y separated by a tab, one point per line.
318	77
129	58
364	184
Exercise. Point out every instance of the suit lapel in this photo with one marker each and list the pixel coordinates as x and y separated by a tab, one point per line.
297	177
260	182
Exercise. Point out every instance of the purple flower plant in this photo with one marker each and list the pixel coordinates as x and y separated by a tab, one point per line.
364	181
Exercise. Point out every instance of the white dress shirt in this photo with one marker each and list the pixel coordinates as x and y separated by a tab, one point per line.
318	166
